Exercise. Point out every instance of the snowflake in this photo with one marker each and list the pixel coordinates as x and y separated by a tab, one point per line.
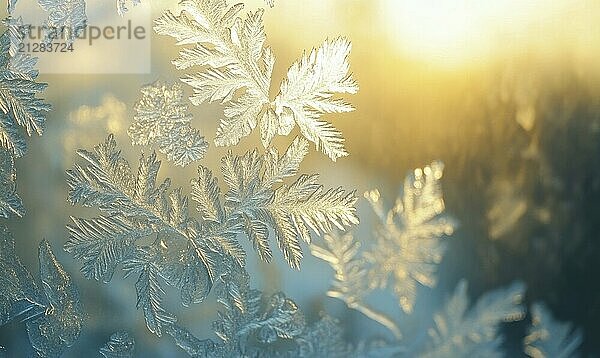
162	119
238	74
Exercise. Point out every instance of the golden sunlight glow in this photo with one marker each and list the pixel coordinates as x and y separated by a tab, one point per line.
453	32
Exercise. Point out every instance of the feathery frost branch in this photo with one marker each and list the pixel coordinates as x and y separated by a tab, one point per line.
409	242
547	337
236	68
10	202
66	18
463	332
122	7
408	247
253	324
350	281
19	104
187	252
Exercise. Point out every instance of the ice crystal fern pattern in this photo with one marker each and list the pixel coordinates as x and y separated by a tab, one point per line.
51	309
20	105
252	324
547	337
150	232
409	243
408	246
463	332
163	119
146	227
235	68
406	252
122	6
10	202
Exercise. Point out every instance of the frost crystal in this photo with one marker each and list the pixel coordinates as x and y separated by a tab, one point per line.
66	18
307	94
185	252
252	325
135	207
474	333
19	296
409	243
408	247
19	105
162	119
323	339
10	202
12	4
122	6
289	210
548	338
52	312
120	345
248	315
238	74
350	281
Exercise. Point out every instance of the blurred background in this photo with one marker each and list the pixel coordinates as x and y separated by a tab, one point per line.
505	93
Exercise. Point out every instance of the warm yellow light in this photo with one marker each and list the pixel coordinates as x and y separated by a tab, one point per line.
453	32
443	28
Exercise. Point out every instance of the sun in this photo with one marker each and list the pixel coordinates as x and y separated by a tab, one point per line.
453	32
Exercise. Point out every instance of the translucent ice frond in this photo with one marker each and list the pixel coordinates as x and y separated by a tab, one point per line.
307	93
19	104
351	273
463	332
255	325
134	206
19	295
52	311
59	327
547	337
350	282
255	205
410	243
10	202
408	247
